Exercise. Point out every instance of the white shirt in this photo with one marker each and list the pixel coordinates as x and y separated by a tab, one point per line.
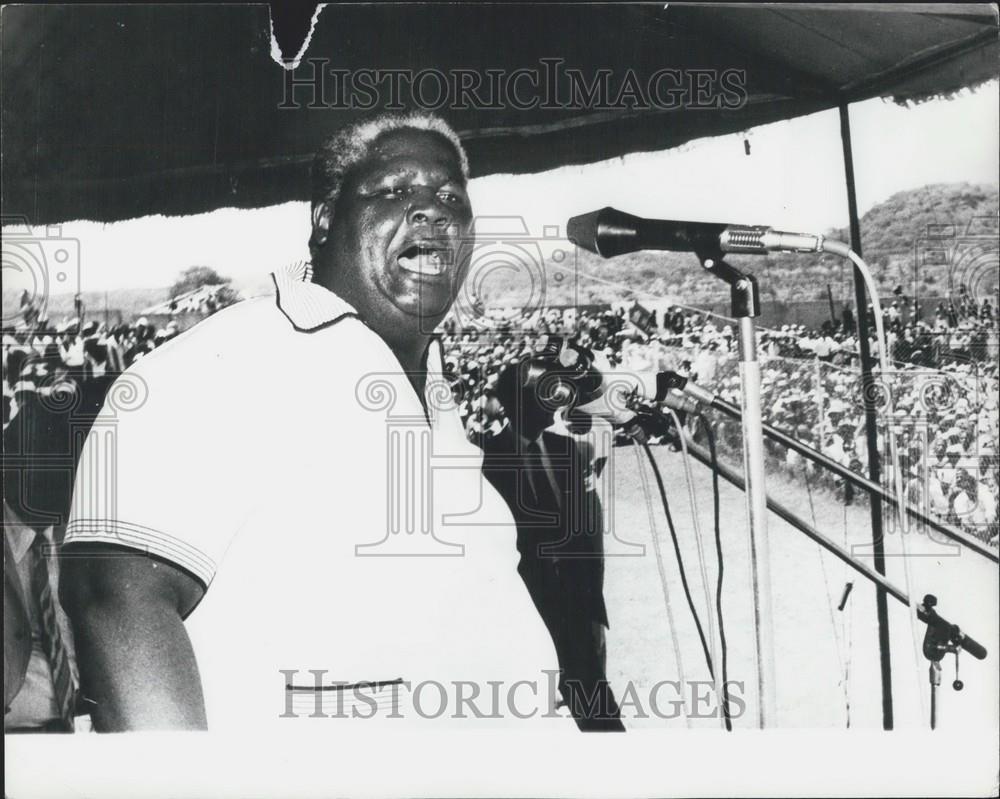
73	353
935	494
336	527
835	449
705	366
824	346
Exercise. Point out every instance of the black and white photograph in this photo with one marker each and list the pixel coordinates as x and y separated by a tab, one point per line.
501	399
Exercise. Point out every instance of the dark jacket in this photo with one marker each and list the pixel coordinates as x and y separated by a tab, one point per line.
560	538
16	630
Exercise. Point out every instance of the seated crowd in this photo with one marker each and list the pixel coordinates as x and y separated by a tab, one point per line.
944	390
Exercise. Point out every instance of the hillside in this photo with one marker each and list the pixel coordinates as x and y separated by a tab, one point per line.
940	235
124	303
949	231
121	304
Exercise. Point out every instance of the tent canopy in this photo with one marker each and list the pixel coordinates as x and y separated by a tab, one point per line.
113	112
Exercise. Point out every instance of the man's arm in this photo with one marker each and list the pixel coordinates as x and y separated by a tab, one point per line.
136	662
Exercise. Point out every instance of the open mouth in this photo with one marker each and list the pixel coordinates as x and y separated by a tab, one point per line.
424	258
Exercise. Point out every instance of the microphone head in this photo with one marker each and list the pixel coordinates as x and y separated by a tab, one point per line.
582	230
607	232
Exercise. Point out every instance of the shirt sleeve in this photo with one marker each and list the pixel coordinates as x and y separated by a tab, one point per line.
164	469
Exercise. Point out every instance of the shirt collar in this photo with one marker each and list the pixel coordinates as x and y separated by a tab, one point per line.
307	305
310	307
536	441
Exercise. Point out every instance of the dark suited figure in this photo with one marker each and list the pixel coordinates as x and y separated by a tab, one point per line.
40	683
560	530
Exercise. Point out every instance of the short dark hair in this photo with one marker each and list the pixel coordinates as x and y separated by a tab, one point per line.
349	146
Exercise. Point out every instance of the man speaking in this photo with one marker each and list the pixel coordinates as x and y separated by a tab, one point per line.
226	561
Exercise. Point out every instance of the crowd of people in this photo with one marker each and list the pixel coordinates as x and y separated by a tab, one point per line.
103	576
81	357
944	387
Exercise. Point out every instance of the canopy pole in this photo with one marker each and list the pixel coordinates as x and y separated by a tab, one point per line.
871	422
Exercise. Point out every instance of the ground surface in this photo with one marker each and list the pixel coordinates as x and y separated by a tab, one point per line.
826	663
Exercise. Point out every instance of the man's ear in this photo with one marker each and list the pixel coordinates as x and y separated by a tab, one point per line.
322	215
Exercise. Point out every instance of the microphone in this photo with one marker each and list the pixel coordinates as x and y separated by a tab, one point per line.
611	232
945	631
622	392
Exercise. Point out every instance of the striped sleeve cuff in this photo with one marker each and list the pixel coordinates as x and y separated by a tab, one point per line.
143	539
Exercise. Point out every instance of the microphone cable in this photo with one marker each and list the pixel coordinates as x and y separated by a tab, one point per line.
844	251
675	642
838	634
718	585
710	607
677	551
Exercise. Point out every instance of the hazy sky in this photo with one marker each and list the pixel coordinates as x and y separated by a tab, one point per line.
792	179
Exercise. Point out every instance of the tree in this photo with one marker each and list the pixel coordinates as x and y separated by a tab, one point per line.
225	297
195	277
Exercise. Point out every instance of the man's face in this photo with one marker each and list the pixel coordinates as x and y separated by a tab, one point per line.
401	232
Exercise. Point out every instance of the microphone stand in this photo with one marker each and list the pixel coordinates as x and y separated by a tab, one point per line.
941	637
745	305
704	396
